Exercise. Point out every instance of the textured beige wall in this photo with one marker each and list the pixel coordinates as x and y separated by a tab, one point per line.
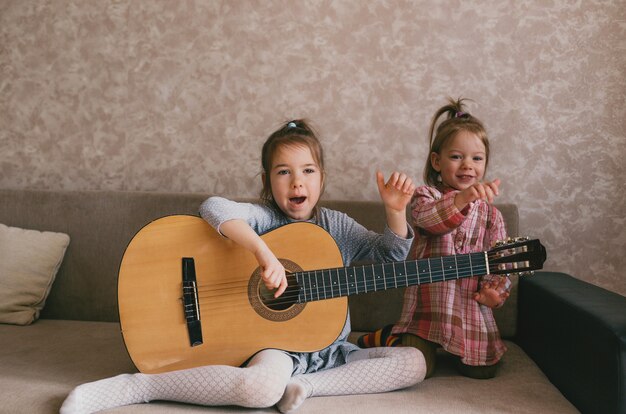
179	95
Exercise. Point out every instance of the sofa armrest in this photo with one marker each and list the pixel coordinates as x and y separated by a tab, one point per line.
576	333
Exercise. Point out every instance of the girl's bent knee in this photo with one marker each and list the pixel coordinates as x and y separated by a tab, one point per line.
414	358
259	392
263	382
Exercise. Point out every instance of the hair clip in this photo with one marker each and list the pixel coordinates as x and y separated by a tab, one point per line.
291	125
460	114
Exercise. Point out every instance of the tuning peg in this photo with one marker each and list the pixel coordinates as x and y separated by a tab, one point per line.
521	274
511	240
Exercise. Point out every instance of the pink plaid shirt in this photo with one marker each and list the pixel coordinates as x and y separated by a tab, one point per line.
445	312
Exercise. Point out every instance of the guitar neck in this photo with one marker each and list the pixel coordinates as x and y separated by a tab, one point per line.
345	281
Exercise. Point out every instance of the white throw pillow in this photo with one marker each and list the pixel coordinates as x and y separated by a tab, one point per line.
29	261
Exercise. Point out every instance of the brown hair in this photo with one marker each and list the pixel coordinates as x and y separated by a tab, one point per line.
458	119
293	133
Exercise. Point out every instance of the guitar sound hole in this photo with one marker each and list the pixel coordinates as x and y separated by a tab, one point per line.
282	308
284	301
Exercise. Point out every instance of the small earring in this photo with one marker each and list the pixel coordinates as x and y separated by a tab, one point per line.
439	178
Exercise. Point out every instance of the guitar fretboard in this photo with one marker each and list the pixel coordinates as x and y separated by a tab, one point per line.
345	281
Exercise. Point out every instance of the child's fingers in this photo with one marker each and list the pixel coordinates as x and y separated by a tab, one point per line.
408	187
496	183
269	278
478	192
281	287
402	183
273	274
492	189
275	279
401	179
489	195
380	181
485	191
393	179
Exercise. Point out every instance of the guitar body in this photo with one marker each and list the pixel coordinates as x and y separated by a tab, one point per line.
190	297
234	319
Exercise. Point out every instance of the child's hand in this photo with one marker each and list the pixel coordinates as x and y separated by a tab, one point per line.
492	294
397	192
272	271
480	191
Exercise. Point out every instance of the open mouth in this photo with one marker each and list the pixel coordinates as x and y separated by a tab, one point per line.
297	200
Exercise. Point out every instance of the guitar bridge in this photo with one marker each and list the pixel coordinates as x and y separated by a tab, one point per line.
191	306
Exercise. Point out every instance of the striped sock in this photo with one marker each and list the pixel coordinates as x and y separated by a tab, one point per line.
381	337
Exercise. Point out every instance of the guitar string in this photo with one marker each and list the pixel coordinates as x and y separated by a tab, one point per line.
239	282
222	286
354	288
365	284
357	285
208	302
229	285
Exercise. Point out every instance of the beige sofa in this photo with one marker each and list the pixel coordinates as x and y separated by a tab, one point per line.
565	337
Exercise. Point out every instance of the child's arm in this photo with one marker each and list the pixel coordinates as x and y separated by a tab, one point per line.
435	213
272	271
396	195
242	222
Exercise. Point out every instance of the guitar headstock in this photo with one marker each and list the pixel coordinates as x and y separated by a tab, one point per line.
516	255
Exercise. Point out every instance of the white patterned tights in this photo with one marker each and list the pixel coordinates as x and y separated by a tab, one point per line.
266	381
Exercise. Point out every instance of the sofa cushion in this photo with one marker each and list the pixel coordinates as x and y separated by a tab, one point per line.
29	261
42	363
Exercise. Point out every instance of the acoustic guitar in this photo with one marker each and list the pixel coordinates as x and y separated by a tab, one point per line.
190	297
